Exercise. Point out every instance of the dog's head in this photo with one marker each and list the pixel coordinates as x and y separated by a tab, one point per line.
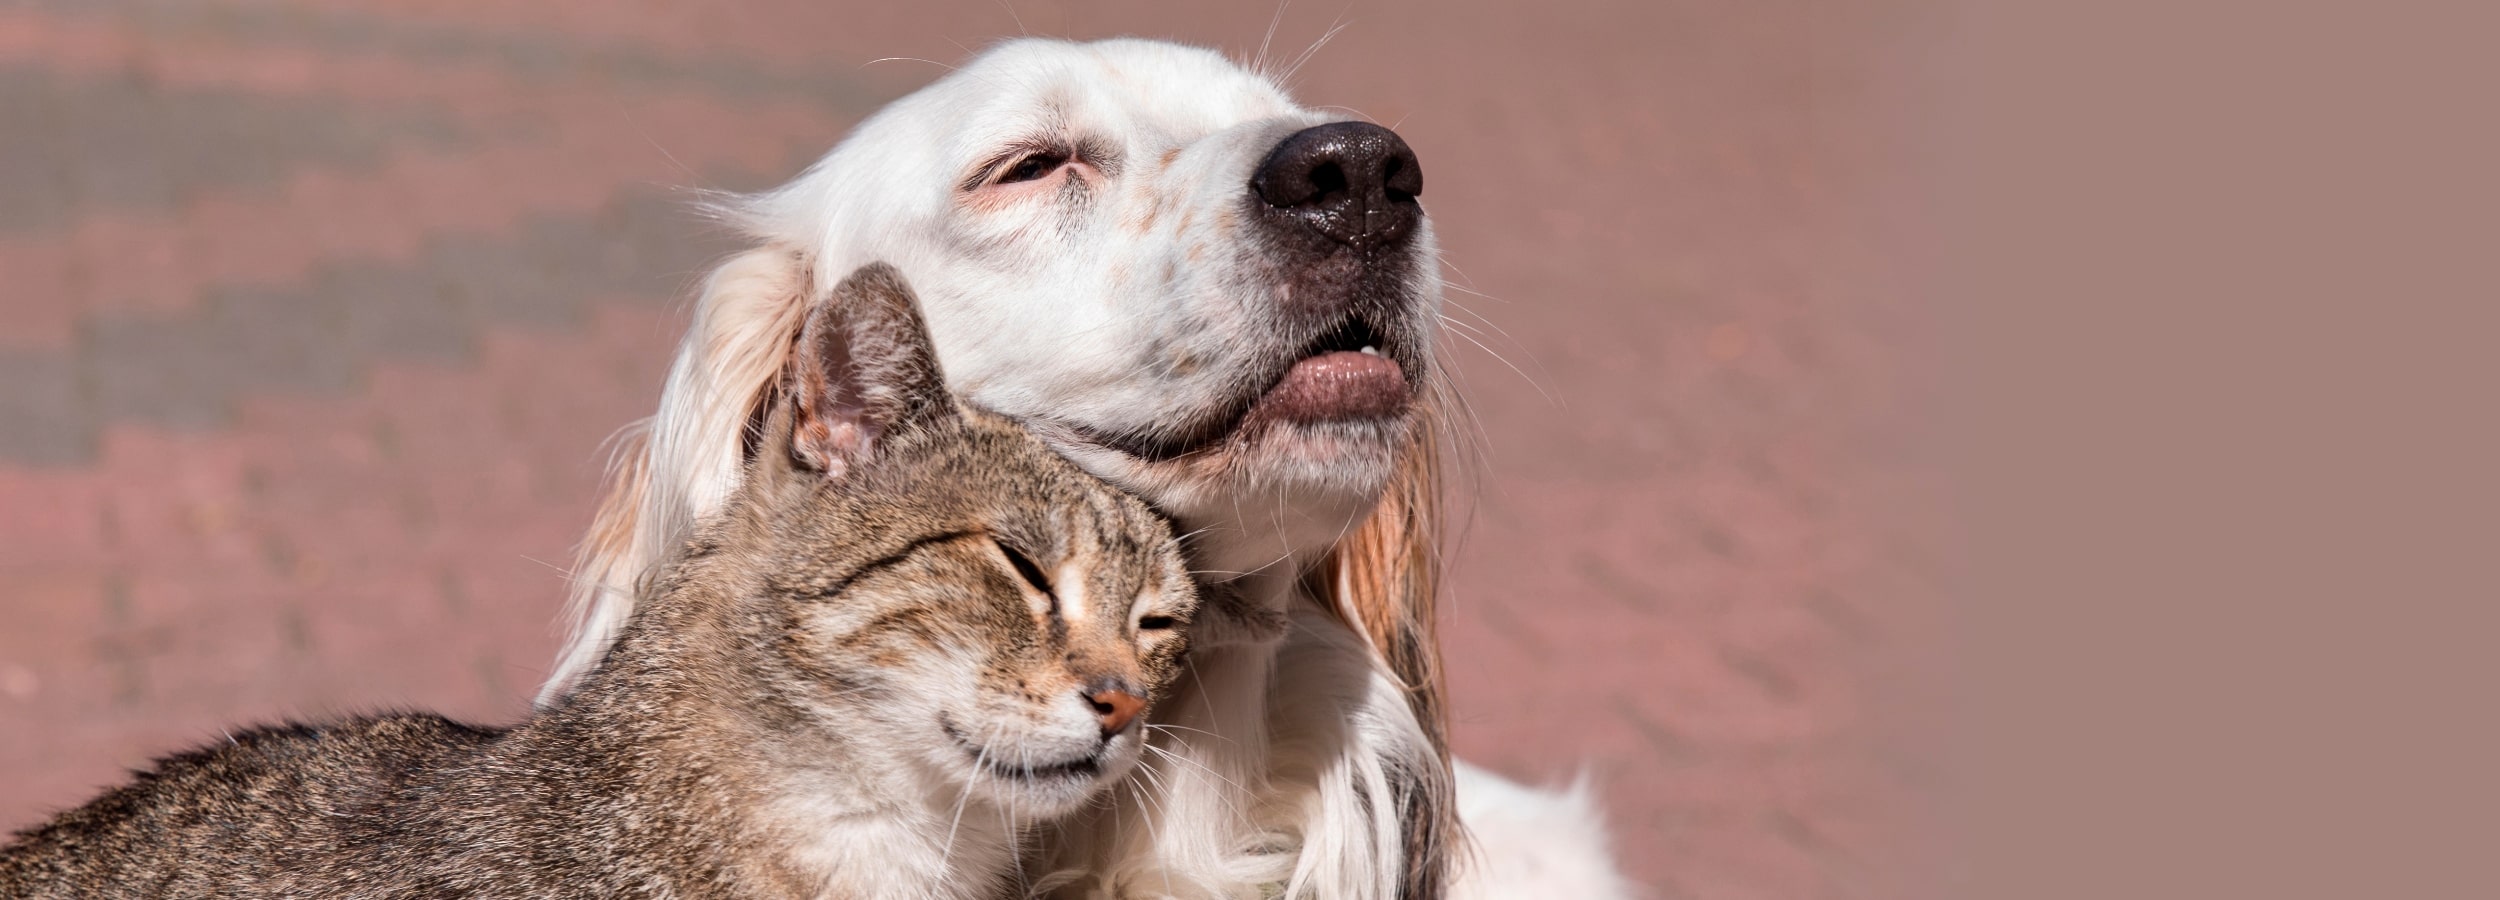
1188	284
1192	287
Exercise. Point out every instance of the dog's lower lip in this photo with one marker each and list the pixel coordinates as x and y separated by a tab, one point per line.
1347	383
1337	386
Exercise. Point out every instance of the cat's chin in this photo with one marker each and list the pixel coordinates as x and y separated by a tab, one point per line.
1041	799
1035	785
1043	796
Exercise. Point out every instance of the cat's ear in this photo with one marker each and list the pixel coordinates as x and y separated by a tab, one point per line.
863	370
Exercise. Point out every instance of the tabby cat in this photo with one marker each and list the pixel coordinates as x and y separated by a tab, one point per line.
913	635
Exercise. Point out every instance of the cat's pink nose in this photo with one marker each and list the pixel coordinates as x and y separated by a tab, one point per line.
1115	708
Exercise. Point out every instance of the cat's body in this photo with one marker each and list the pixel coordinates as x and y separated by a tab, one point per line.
915	635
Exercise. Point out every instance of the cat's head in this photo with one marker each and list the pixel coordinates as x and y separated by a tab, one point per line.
941	585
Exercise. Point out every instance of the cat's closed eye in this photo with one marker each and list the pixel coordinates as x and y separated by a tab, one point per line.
1024	566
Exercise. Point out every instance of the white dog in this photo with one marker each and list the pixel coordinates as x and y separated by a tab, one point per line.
1226	304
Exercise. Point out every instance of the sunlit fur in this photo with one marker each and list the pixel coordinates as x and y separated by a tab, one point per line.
1118	292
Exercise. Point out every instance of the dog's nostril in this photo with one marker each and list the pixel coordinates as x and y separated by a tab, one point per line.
1392	184
1327	179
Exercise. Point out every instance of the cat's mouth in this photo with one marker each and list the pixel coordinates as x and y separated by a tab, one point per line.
1083	768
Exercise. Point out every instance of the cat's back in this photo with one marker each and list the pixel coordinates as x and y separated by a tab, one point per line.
261	811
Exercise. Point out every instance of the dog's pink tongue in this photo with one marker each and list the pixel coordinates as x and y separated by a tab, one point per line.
1340	385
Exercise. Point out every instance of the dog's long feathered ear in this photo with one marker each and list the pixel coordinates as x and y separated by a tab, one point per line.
1383	580
863	369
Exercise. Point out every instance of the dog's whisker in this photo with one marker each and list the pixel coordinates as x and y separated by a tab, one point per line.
1313	50
906	59
561	572
1260	64
1011	13
1522	373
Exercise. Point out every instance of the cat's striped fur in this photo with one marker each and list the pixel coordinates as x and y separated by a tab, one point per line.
912	636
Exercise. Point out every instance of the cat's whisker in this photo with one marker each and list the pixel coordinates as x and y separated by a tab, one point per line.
1189	729
1202	767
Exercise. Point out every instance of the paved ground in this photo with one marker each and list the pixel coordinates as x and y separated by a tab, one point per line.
312	320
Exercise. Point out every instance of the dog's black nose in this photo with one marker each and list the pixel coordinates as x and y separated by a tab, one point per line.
1352	181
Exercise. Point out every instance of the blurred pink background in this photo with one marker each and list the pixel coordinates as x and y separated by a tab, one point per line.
315	317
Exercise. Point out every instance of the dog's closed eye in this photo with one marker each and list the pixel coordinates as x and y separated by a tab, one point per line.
1038	159
1033	167
1021	163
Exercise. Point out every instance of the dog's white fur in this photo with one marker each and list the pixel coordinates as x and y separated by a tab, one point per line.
1114	296
1537	843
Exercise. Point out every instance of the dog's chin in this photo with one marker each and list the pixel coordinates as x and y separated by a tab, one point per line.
1349	459
1300	464
1275	476
1333	426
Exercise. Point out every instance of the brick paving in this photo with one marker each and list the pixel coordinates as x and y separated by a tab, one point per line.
313	319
